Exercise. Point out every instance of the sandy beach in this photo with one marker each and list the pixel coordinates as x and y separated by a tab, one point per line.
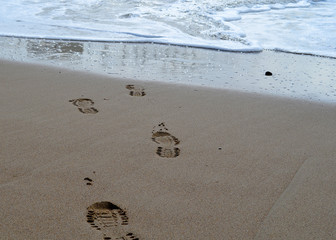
86	156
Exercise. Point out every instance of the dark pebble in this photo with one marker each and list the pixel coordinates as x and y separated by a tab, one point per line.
268	73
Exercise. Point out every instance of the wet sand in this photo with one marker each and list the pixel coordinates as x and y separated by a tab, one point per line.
88	156
296	76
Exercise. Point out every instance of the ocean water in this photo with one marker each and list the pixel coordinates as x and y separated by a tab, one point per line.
305	26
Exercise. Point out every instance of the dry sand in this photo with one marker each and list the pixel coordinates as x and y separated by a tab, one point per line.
169	162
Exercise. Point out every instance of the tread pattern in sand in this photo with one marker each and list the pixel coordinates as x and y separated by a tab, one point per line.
167	142
168	152
108	218
84	105
136	91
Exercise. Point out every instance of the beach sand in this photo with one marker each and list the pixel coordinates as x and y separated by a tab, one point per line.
86	156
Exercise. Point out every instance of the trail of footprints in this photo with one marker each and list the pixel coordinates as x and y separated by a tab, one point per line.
85	105
109	218
106	216
167	142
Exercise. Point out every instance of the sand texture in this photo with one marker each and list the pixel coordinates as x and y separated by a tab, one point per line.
89	157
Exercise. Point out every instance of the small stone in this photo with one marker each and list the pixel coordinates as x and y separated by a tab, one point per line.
268	73
219	148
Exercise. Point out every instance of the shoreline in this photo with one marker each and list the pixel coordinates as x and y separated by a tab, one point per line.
295	76
229	165
134	42
161	43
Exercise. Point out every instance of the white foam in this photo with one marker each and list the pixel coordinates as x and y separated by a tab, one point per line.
231	15
259	9
308	30
277	6
232	25
303	3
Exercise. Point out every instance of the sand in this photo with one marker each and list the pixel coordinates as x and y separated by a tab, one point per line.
86	156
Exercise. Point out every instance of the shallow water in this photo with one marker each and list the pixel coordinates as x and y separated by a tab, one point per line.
295	76
236	25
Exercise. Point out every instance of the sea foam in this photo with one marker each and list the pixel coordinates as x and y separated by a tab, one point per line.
305	26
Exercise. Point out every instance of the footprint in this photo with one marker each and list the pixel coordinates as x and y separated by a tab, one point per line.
161	136
108	218
135	90
85	105
106	214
